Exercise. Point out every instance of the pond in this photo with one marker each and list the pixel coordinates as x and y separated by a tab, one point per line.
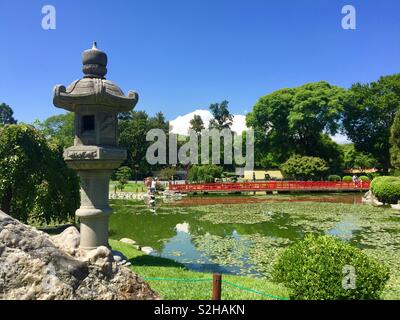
244	234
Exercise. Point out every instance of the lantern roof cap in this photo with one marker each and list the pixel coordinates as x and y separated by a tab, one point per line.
93	89
94	62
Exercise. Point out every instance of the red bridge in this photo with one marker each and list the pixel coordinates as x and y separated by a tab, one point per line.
226	187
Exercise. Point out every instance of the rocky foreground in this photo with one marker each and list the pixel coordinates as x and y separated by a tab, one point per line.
34	265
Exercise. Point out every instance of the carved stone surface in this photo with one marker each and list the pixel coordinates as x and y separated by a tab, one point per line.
96	103
77	153
82	154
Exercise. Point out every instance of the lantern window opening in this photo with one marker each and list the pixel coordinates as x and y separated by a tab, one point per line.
88	123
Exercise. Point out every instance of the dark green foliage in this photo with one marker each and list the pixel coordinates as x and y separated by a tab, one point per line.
59	129
395	142
204	173
222	118
369	112
334	177
294	121
133	128
314	270
123	175
357	159
35	185
386	189
304	168
197	124
6	114
168	173
347	179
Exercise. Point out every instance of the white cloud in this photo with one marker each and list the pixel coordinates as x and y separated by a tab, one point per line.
181	124
340	139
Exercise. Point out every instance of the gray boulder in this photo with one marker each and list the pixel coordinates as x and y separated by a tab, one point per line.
34	265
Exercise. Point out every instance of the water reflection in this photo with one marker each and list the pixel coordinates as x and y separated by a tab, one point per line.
181	249
173	234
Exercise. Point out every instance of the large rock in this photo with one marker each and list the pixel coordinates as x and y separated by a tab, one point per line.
35	266
370	198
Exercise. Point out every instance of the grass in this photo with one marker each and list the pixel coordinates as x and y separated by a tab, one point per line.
129	187
154	267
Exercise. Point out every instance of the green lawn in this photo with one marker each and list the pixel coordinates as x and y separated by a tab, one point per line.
129	187
153	267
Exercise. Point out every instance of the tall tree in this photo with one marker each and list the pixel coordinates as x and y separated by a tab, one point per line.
395	142
222	118
6	114
294	121
58	128
132	136
197	124
369	112
35	185
356	159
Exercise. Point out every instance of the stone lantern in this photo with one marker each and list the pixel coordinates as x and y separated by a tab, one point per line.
95	102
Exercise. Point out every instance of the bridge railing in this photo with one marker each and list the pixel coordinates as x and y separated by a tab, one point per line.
269	186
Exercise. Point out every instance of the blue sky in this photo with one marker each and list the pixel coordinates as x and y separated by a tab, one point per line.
183	55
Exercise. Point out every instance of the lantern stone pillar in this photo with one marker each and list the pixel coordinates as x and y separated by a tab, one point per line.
96	103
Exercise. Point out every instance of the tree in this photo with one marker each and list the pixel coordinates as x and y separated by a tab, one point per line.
294	120
204	173
304	168
58	128
197	124
222	118
132	136
168	173
395	142
159	122
123	174
6	114
369	112
35	184
356	159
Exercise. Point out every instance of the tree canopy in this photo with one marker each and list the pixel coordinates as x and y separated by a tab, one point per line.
304	168
35	183
6	114
132	136
58	128
357	159
222	118
369	112
294	120
197	124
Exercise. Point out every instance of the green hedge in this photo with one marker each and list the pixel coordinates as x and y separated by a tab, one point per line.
334	177
316	267
386	189
347	179
363	178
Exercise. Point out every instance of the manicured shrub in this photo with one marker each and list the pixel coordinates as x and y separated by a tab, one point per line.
347	179
386	189
304	168
363	178
316	269
334	177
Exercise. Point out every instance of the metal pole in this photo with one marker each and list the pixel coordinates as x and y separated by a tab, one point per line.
216	290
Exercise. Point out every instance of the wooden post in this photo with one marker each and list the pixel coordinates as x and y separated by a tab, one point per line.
216	290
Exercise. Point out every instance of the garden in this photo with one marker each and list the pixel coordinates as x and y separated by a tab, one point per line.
245	240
